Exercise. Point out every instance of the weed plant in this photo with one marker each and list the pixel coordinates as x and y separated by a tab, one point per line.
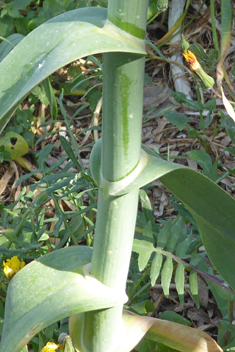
164	252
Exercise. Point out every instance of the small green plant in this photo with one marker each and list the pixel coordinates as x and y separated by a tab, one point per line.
88	284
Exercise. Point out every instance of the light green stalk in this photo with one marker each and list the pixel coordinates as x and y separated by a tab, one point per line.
121	144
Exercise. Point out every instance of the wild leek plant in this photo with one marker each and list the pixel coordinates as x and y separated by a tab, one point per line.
89	284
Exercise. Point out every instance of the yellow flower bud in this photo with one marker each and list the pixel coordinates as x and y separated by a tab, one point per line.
194	64
192	60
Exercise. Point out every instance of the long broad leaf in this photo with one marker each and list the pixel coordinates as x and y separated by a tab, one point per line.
55	43
212	208
49	289
173	335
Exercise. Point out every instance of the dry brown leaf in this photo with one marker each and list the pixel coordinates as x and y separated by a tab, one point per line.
174	335
6	178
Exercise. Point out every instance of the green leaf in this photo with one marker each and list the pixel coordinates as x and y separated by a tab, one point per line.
156	267
143	307
203	159
181	98
147	232
166	275
145	345
226	20
56	43
212	208
194	286
224	293
177	119
156	7
7	45
51	98
67	147
145	249
183	247
93	98
146	207
179	281
15	144
175	233
172	316
50	289
164	234
20	4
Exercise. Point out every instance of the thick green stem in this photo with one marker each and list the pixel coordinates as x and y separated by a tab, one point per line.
131	16
122	114
121	144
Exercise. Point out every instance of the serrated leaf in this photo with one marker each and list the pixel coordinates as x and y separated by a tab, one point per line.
156	267
166	275
194	286
179	281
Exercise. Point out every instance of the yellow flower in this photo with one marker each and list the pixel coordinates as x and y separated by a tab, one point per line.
194	64
12	266
192	60
50	347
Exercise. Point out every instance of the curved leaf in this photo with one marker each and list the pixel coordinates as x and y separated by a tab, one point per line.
148	169
212	208
49	289
7	44
55	43
171	334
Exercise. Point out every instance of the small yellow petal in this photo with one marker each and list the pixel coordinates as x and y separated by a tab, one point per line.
50	347
192	60
12	266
